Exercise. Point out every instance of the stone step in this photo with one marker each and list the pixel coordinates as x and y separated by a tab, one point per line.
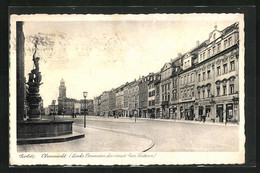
62	138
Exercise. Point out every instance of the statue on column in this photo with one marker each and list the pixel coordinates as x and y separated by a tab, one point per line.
34	80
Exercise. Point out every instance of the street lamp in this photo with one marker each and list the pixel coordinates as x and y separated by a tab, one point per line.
85	94
54	101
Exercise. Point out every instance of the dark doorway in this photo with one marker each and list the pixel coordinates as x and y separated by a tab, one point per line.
220	112
200	112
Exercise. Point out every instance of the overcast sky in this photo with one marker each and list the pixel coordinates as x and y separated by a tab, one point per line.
103	52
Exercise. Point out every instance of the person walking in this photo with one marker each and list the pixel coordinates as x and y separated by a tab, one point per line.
204	117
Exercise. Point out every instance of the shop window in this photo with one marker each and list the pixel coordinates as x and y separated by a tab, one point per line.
231	88
224	68
232	66
224	90
218	71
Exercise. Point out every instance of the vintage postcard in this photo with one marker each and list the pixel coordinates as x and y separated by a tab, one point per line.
127	89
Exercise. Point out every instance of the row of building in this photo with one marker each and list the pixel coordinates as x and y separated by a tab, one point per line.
201	82
69	106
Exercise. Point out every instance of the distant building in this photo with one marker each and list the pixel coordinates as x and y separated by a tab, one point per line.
143	96
104	109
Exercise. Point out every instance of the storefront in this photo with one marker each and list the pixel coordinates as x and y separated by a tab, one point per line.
229	112
219	112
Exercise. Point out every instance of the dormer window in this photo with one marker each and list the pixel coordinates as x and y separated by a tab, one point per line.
214	36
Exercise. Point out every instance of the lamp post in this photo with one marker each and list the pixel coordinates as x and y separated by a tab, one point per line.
85	94
54	101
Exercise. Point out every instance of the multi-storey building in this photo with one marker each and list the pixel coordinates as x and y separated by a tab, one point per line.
104	107
151	95
217	75
158	101
119	100
133	99
166	74
143	96
187	84
173	105
96	105
112	102
125	107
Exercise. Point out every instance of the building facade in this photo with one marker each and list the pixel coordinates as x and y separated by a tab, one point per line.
119	101
202	83
112	102
143	97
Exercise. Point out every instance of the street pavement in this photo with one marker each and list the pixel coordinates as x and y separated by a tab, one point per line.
124	134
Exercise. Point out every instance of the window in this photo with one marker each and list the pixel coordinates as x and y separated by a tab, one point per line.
203	93
218	48
224	90
208	74
218	90
157	89
198	94
218	71
208	53
200	57
213	50
168	97
208	92
188	78
232	66
203	55
162	88
199	77
225	44
192	93
231	88
203	77
192	77
230	41
214	36
162	97
168	86
224	68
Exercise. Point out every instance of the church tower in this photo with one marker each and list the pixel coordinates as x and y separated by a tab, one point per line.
62	97
62	89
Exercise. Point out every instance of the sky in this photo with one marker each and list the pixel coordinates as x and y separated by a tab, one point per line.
98	53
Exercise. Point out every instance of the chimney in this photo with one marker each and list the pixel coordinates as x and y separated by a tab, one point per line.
197	43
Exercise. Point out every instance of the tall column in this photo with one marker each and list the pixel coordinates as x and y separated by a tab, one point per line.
20	81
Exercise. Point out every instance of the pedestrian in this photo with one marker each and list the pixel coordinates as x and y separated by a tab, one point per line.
204	117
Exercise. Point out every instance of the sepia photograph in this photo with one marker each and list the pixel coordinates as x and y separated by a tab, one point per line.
126	89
